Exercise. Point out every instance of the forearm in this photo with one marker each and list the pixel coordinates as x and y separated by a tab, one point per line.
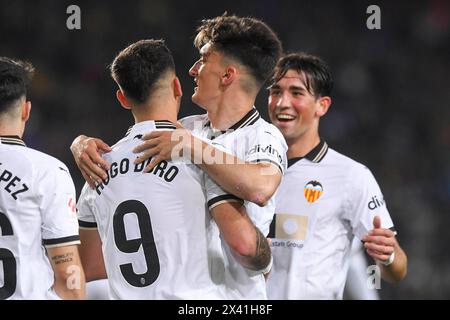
91	255
247	243
93	264
69	276
67	291
93	274
261	257
398	269
249	181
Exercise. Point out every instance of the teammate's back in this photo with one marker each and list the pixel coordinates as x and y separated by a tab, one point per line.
155	227
29	218
38	226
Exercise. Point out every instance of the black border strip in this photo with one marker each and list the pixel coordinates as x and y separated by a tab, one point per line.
50	242
85	224
223	197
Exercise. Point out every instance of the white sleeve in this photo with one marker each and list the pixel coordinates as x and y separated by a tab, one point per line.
365	201
215	195
267	145
58	207
86	218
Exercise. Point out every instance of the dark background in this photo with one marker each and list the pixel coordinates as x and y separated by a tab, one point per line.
390	106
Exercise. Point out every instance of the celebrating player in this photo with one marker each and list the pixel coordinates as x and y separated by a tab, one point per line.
325	198
237	55
154	229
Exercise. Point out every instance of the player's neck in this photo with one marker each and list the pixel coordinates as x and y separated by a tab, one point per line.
155	111
302	145
11	129
229	110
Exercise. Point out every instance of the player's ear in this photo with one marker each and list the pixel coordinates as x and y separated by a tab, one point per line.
177	91
324	104
122	99
229	75
26	110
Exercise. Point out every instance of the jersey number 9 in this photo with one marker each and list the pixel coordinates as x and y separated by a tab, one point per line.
133	245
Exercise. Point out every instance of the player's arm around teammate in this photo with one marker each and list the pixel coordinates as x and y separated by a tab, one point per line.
237	55
255	182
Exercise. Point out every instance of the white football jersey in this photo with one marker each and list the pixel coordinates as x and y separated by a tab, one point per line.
356	287
97	290
251	139
325	199
154	227
37	210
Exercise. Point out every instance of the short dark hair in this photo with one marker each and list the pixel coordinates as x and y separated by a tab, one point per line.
15	78
317	74
248	40
137	68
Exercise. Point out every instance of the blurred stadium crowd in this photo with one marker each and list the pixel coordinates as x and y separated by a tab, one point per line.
391	107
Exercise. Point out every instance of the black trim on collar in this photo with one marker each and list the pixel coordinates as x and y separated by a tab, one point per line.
250	118
13	140
164	124
159	124
293	161
315	155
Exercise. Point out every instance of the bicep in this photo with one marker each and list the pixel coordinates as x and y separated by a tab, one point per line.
267	178
235	226
271	171
229	213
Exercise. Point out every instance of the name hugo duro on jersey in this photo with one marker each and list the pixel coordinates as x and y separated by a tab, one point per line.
163	170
